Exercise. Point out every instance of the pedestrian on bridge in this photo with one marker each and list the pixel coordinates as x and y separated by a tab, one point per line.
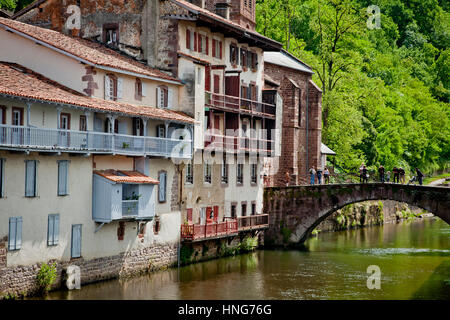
402	173
326	175
388	176
361	177
319	175
396	174
381	172
419	176
365	175
287	178
312	172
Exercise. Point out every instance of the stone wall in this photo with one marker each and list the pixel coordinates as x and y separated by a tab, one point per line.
21	280
366	214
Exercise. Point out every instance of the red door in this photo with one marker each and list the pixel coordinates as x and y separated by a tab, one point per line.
216	213
208	215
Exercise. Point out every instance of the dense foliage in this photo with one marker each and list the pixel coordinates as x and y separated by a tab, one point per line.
14	5
385	90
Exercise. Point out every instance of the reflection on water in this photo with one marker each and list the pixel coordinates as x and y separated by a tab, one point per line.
414	258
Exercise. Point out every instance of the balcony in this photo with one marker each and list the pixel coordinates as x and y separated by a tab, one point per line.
231	227
241	105
239	144
53	140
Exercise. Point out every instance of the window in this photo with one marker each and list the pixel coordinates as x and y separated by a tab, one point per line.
164	97
83	123
2	178
189	40
138	89
253	62
207	173
161	131
243	209
162	177
233	211
239	173
253	208
224	170
75	250
2	115
63	177
203	44
113	87
234	56
111	34
30	178
217	49
15	233
243	57
189	173
156	226
53	230
254	173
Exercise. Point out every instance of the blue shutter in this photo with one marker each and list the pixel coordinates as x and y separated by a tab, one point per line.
12	234
2	178
63	172
56	229
30	178
162	186
76	241
19	233
50	230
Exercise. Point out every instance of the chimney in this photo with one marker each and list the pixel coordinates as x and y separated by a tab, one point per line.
223	9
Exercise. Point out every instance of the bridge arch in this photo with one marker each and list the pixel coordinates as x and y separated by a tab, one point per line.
301	208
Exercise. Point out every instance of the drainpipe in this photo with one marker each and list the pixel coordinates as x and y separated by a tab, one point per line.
307	126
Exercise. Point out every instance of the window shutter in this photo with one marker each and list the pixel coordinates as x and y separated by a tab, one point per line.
216	213
76	241
107	88
144	89
199	44
220	49
119	88
195	41
188	39
56	229
30	178
158	98
12	233
51	227
162	186
19	233
2	178
62	178
207	46
213	48
169	98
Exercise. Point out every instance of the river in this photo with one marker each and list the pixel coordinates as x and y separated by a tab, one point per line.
413	257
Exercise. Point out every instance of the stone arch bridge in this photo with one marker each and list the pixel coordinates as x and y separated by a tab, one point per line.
302	208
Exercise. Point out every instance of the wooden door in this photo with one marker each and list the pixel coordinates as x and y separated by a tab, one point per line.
232	89
17	121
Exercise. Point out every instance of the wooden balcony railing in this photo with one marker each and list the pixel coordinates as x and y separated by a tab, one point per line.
235	104
42	139
193	232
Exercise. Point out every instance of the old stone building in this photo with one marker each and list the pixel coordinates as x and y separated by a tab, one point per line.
301	117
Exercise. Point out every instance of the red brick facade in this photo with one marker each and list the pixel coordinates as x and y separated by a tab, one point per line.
299	94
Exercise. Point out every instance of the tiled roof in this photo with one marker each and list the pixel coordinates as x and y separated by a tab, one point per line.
19	81
286	59
196	9
95	53
122	176
201	61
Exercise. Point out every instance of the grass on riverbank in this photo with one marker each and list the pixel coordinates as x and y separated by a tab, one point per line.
428	180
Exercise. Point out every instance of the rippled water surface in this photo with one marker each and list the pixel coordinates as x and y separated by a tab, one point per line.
414	258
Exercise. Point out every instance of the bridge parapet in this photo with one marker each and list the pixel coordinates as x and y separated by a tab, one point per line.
301	208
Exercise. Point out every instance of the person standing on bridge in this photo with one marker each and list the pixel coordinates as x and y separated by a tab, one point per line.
395	172
287	177
312	172
381	172
402	173
326	175
365	175
319	175
361	177
388	176
419	176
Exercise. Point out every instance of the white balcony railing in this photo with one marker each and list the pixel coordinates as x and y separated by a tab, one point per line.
40	139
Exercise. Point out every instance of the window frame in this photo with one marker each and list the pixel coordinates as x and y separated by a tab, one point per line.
254	173
189	176
34	195
240	174
111	26
207	173
83	123
224	173
52	235
16	245
66	189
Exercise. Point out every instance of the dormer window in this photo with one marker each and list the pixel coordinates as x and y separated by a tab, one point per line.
111	34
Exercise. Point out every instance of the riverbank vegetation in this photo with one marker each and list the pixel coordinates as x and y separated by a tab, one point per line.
385	90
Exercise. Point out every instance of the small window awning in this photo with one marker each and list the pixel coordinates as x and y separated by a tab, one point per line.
325	150
123	176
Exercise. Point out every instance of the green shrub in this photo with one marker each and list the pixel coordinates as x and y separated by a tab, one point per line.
249	244
46	277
